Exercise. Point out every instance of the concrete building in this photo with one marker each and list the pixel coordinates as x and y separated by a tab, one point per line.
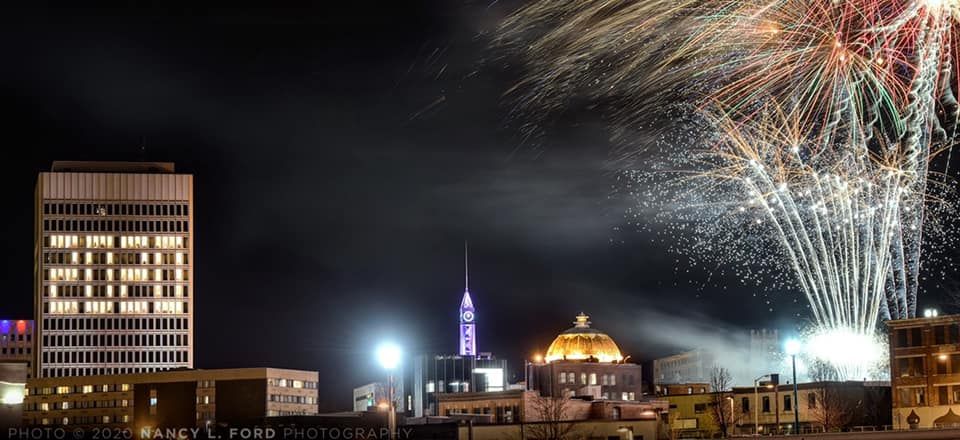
114	269
429	375
691	415
366	397
516	406
823	407
583	361
170	399
683	389
16	342
646	427
688	367
925	371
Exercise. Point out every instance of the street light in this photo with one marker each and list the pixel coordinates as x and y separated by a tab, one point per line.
756	399
389	355
793	349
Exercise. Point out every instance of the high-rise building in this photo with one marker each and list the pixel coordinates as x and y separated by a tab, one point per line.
114	269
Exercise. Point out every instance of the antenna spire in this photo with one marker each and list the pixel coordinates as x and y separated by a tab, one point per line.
466	267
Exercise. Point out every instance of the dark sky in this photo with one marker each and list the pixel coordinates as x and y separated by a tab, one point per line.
341	156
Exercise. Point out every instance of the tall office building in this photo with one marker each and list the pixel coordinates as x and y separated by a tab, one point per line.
114	269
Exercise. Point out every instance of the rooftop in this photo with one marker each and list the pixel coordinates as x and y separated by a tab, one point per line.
70	166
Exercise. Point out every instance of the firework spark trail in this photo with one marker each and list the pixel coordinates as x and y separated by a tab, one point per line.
825	114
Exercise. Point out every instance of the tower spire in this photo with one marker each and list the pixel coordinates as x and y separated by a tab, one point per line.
466	267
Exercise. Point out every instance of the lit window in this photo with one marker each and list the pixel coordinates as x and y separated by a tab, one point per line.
625	396
593	378
87	389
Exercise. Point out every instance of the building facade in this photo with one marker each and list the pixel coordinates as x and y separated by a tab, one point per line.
369	396
515	406
687	367
583	361
823	407
114	269
925	371
174	399
16	342
429	375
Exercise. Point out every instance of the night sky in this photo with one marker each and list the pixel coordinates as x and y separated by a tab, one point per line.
342	154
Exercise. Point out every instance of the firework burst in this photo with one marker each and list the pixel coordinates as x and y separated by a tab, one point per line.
815	125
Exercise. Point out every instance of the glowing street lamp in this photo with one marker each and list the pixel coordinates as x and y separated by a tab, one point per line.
793	347
389	356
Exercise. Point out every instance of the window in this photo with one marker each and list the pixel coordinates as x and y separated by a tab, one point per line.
431	386
624	396
916	337
941	361
583	378
943	395
563	377
812	400
593	378
787	404
572	377
766	404
913	396
700	408
745	405
615	415
912	366
153	402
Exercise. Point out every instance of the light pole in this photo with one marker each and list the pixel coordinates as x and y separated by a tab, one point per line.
389	357
756	402
793	348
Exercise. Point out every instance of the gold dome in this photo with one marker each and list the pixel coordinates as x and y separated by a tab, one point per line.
581	342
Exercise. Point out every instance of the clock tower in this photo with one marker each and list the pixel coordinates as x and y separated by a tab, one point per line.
468	325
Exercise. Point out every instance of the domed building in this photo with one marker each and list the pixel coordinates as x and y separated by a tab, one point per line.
580	343
583	361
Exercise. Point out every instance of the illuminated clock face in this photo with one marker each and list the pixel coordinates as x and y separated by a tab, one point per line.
468	316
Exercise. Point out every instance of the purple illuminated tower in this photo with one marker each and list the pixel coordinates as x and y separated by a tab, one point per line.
468	326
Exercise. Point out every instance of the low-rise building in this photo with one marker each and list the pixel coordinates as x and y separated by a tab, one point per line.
16	342
675	389
691	415
823	407
583	361
366	397
176	398
925	371
515	406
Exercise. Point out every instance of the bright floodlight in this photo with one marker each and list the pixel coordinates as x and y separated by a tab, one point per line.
792	347
388	355
12	396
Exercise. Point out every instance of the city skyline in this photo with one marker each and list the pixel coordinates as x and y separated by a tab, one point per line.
334	197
